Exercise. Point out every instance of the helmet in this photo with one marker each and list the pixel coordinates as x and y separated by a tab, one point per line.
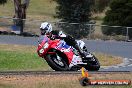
45	28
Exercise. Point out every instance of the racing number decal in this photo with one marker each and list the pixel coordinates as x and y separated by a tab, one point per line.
65	50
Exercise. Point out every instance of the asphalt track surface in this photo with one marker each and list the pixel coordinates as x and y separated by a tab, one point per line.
123	49
5	73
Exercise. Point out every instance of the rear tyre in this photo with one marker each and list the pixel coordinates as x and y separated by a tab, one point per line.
93	64
85	49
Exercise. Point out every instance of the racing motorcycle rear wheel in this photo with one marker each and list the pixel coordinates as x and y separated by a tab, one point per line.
92	62
57	62
85	49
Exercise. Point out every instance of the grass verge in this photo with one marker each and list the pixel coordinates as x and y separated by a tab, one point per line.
19	57
108	60
23	57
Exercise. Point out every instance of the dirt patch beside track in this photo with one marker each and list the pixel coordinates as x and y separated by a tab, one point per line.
55	81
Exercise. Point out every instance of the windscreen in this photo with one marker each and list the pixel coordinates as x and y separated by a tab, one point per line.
42	38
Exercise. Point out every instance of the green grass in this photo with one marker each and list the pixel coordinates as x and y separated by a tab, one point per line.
22	57
13	60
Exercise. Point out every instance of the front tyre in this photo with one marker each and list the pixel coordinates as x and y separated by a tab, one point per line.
57	62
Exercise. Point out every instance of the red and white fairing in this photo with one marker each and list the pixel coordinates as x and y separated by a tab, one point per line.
46	44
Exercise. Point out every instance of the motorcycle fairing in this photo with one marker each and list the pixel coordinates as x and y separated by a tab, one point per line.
64	48
60	45
68	50
76	61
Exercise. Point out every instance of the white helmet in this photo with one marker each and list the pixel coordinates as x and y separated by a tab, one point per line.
45	28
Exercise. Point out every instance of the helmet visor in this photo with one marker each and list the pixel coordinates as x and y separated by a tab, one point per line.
43	31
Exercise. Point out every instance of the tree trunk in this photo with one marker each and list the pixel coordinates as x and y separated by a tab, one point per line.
20	13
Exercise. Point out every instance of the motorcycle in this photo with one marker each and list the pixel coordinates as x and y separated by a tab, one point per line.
62	57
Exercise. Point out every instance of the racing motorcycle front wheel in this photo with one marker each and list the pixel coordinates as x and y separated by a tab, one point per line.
57	62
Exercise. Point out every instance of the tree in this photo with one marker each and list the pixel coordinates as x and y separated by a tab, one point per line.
120	13
100	5
74	11
3	1
20	12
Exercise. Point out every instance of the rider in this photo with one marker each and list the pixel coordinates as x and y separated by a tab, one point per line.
46	29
